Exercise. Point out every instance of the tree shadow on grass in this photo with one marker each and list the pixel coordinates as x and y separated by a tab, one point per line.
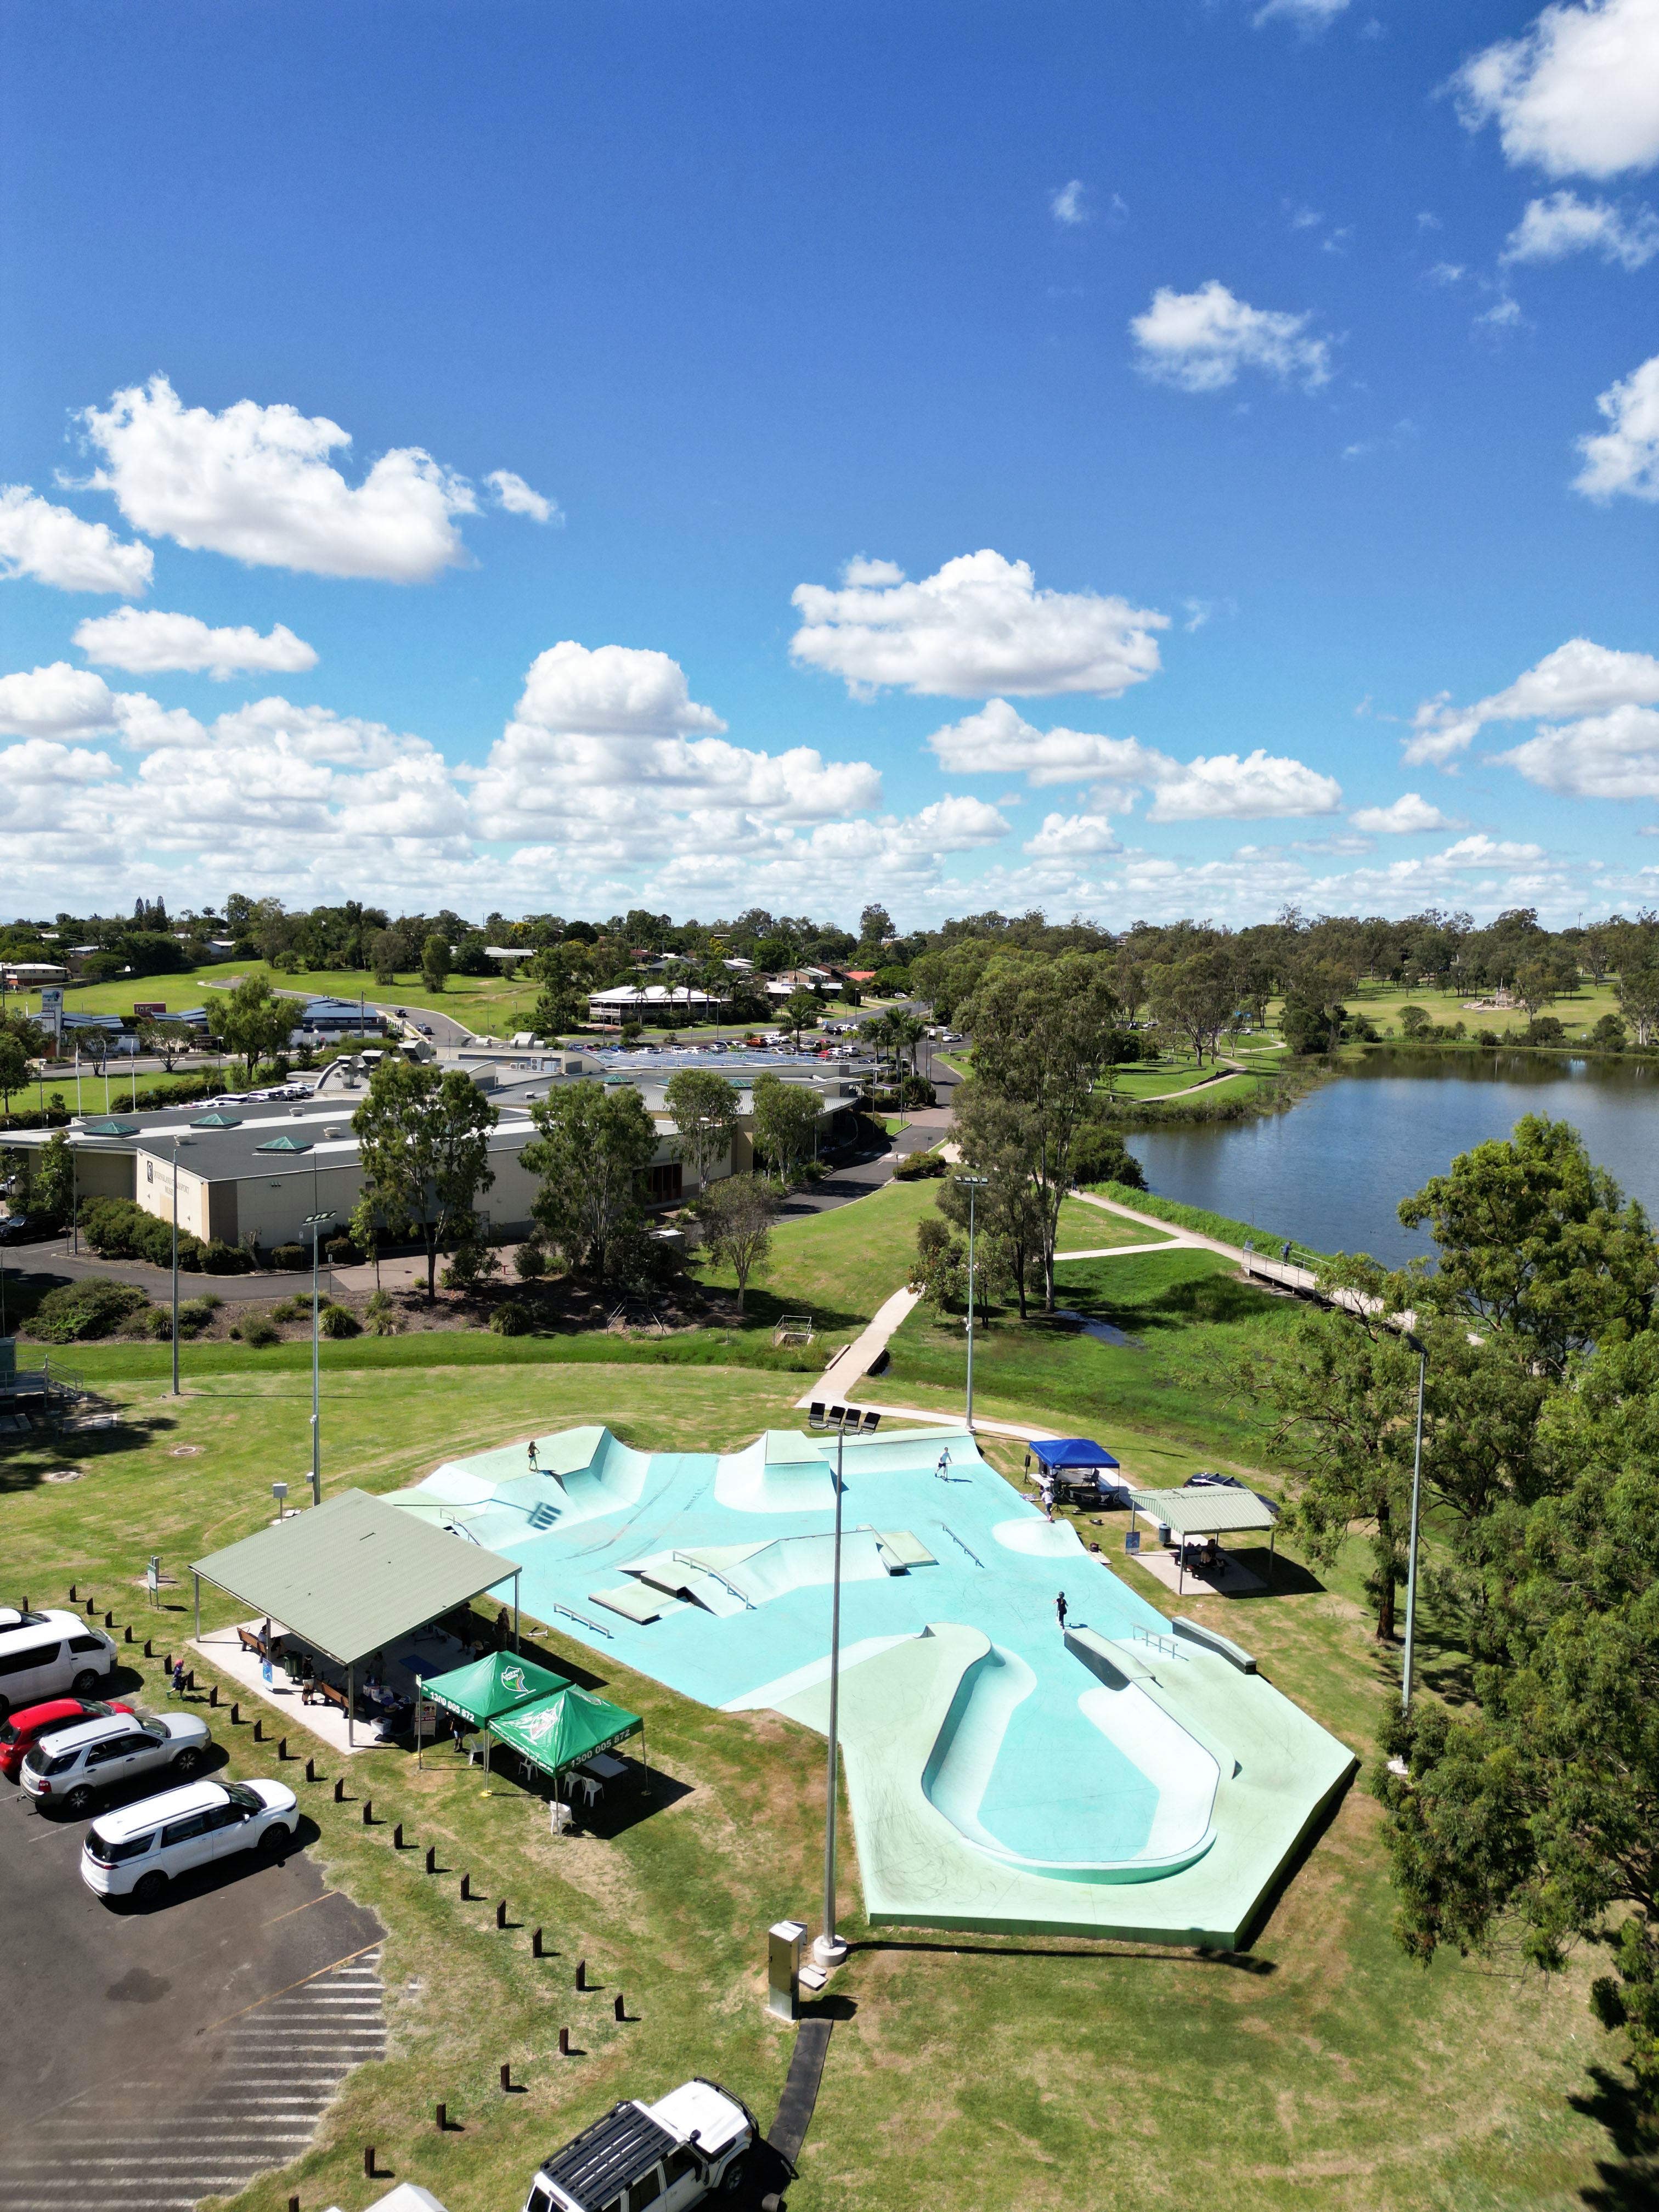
79	1439
1268	1903
1218	1297
1630	2178
1201	1954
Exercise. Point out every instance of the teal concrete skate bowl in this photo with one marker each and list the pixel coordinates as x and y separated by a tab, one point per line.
1112	1777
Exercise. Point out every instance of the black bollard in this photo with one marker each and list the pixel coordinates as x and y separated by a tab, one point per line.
581	1973
259	1730
432	1858
368	2161
536	1944
213	1693
339	1791
282	1747
235	1713
72	1596
621	2014
564	2043
189	1680
466	1885
501	1914
292	2204
109	1620
443	2119
397	1837
368	1812
310	1770
149	1650
126	1635
507	2077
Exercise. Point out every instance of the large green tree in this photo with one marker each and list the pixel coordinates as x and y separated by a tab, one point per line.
1539	1813
999	1139
423	1141
785	1125
1041	1033
706	1109
252	1022
737	1215
594	1146
1537	1245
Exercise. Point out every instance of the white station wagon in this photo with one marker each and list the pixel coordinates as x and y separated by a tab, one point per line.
138	1849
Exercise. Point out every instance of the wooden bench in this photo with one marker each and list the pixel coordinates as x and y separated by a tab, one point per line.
330	1695
252	1642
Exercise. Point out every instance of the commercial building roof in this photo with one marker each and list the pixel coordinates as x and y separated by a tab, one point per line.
354	1574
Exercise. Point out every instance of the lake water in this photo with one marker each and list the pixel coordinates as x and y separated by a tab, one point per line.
1332	1170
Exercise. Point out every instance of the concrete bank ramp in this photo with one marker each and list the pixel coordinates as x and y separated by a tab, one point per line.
583	1474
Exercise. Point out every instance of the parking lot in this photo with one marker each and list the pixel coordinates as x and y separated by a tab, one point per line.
151	2059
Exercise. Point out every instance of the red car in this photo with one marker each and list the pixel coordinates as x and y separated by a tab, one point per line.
30	1723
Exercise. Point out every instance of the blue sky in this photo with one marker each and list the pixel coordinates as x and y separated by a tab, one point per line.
1126	459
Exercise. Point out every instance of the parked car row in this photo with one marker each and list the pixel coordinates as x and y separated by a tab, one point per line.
69	1749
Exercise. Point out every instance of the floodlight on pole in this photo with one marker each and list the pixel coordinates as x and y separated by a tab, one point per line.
1418	1347
314	1224
972	1185
177	1141
829	1949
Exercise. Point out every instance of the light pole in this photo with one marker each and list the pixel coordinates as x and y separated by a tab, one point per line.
972	1185
314	1224
829	1949
177	1141
1410	1556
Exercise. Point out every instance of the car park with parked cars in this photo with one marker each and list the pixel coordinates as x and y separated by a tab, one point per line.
138	1849
71	1769
49	1655
692	2143
30	1723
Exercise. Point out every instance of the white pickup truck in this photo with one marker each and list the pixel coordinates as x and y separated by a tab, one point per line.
692	2144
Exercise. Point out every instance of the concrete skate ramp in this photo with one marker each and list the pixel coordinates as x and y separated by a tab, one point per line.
583	1473
780	1473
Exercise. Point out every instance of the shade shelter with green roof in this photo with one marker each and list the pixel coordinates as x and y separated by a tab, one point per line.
485	1689
353	1574
559	1732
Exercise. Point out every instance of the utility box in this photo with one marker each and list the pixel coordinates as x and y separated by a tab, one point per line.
784	1940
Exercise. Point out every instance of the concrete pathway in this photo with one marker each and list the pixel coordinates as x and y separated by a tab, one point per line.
1115	1251
856	1358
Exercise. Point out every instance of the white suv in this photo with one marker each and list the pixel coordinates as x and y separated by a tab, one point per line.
69	1769
691	2143
138	1850
47	1655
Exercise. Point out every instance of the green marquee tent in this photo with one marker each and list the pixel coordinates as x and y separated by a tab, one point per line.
557	1732
484	1689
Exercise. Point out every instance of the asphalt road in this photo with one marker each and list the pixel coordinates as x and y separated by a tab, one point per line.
155	2057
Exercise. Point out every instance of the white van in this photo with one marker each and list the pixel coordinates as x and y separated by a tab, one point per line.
47	1655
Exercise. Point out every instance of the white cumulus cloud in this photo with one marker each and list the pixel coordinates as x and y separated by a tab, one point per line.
1484	852
1258	787
256	483
620	691
1552	229
1200	341
54	546
1625	457
1579	678
149	642
998	741
513	494
58	702
1577	93
1073	837
1067	205
980	624
1405	817
1610	755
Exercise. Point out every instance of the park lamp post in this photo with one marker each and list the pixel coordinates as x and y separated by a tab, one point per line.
314	1224
829	1949
1418	1347
178	1139
972	1185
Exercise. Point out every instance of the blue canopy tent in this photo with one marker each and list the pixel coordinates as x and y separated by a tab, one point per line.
1068	1462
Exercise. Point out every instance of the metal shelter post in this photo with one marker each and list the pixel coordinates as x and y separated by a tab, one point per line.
197	1580
516	1651
351	1706
175	1267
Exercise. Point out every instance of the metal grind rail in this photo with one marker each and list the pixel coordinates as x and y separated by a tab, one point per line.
960	1546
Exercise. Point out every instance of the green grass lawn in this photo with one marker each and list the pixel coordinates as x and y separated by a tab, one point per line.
483	1003
841	1266
1190	1320
1320	2070
1381	1005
